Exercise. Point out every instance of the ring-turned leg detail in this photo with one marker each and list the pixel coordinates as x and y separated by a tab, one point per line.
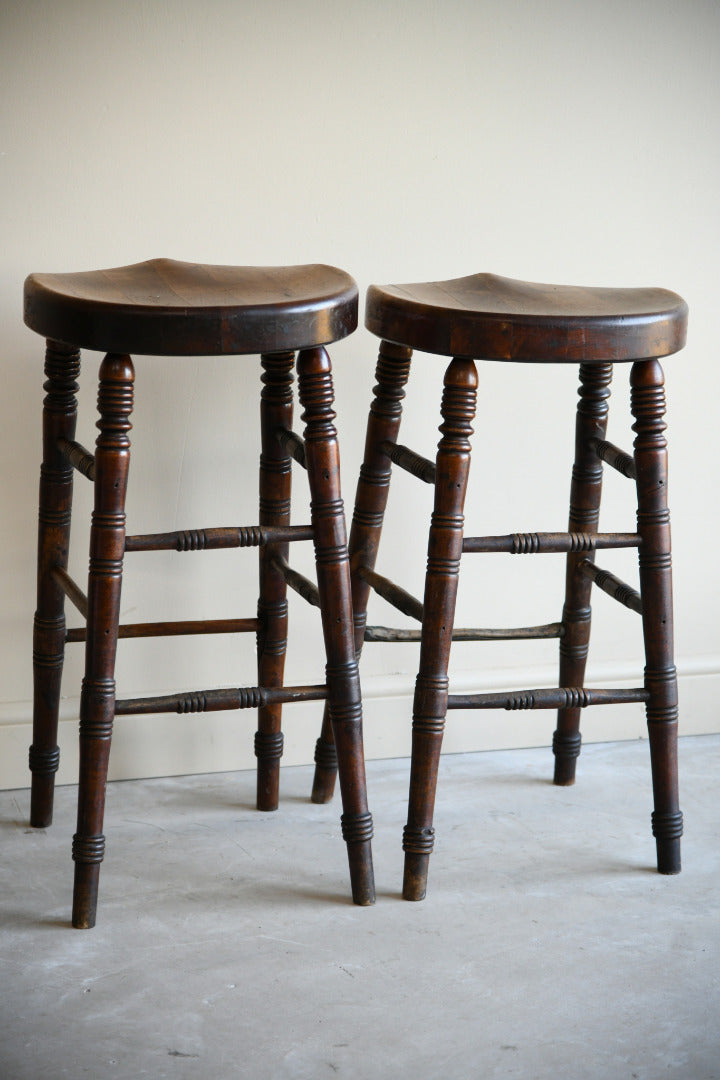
648	408
276	409
441	581
585	493
62	368
393	369
333	573
97	701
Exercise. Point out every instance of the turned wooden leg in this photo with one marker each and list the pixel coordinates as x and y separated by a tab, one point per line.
333	572
444	551
393	368
62	367
648	408
97	702
276	408
585	492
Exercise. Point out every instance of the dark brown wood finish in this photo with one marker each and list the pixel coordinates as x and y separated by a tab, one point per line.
215	539
167	308
175	629
293	444
97	701
648	408
544	543
71	589
615	457
493	318
241	697
407	459
394	594
391	375
497	318
585	493
276	410
612	585
333	573
62	368
298	582
576	697
452	468
78	457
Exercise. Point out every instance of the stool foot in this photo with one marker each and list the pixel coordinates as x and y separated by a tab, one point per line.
566	749
668	856
418	843
43	765
268	751
357	830
85	895
362	877
323	788
42	797
564	775
325	776
415	876
356	820
268	790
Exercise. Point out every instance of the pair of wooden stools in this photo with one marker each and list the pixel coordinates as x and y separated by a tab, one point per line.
168	308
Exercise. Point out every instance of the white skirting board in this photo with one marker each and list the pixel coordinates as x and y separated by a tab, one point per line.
172	745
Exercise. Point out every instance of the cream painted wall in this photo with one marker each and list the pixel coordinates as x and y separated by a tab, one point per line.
558	141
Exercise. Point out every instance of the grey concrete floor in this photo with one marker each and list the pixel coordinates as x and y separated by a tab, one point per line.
226	945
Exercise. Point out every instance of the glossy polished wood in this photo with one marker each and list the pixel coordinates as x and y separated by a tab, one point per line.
167	308
496	318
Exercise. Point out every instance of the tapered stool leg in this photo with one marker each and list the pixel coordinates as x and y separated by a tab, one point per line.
62	367
585	493
276	408
393	369
97	701
333	573
648	408
441	581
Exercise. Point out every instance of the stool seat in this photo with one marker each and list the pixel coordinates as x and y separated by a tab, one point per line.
168	308
496	318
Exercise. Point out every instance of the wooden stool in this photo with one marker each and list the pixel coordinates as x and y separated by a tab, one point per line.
169	308
493	318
